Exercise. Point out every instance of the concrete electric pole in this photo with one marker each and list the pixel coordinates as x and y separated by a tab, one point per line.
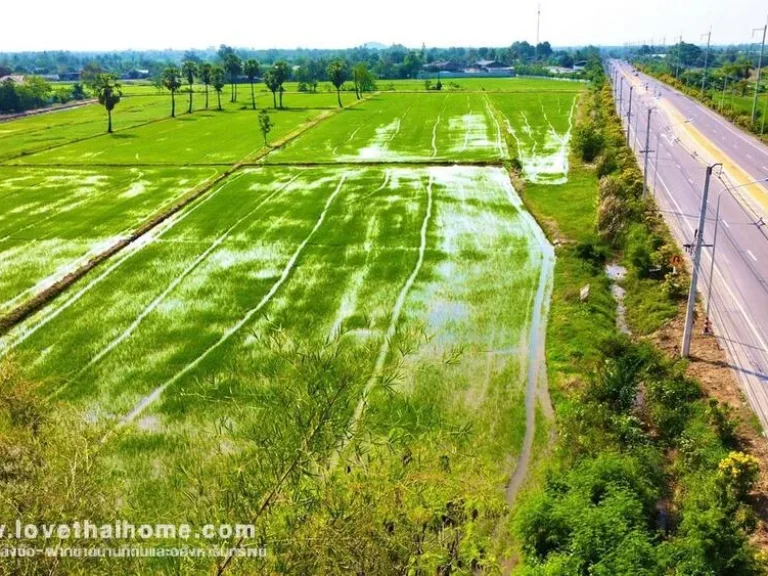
647	145
685	350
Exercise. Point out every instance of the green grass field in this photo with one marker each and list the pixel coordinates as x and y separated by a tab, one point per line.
404	128
54	219
395	310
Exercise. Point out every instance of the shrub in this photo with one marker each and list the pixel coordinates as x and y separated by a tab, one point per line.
607	164
587	142
737	475
640	249
592	251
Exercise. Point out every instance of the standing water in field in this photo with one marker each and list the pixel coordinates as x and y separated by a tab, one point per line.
542	135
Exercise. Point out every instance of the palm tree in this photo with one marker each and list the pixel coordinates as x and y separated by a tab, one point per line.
252	69
189	70
172	82
218	80
233	65
108	92
205	77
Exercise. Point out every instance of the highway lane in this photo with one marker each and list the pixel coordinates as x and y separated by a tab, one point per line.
739	306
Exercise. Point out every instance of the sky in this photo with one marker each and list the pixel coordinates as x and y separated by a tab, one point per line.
158	24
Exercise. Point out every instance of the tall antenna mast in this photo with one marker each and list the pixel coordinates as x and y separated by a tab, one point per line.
538	27
538	24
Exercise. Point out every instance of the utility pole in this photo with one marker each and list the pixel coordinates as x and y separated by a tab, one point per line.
647	145
699	240
706	58
759	71
621	93
629	112
679	48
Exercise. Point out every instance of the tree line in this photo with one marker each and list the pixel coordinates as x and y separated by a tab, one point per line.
389	63
35	92
108	90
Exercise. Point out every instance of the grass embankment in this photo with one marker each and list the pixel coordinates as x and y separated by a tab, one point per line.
646	477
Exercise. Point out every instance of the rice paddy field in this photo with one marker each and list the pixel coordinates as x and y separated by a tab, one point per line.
364	301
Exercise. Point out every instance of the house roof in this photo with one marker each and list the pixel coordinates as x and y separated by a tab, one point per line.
18	79
489	64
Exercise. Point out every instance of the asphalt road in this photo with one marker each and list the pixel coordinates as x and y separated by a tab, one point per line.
685	136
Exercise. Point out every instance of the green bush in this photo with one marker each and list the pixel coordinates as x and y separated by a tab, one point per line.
587	142
640	247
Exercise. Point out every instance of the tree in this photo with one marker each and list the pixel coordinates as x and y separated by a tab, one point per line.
252	70
206	77
218	81
233	65
337	74
265	124
90	73
108	92
190	70
543	51
271	79
364	79
9	99
412	64
78	91
308	75
282	73
172	82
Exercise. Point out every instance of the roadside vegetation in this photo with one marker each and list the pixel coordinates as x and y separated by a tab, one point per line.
647	476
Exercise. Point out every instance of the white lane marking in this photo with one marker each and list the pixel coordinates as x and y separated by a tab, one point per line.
678	166
764	168
726	224
157	392
689	180
751	255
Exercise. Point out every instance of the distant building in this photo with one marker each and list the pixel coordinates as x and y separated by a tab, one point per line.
17	78
443	66
557	70
70	76
491	68
136	74
489	65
